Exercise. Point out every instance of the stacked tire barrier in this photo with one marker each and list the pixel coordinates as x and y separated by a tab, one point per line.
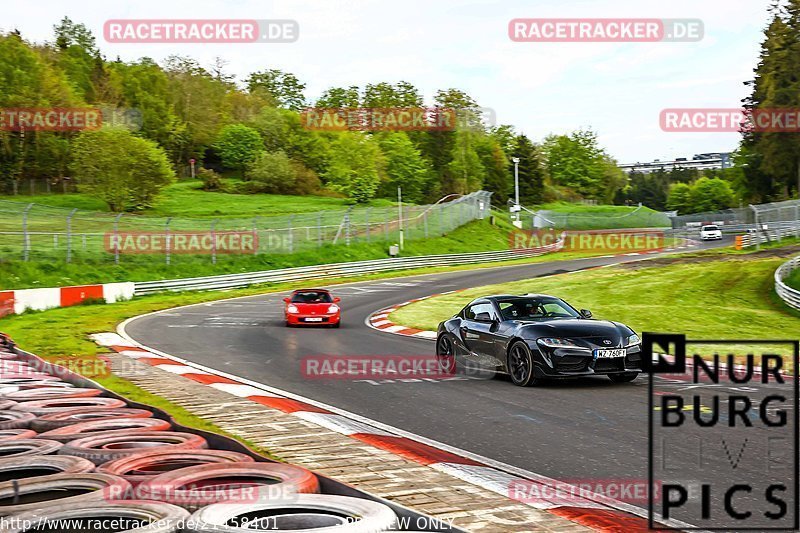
73	456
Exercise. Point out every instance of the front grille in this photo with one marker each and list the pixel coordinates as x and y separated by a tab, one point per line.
608	365
633	360
571	365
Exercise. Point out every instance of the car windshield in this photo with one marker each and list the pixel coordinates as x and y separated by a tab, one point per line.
311	297
710	228
535	308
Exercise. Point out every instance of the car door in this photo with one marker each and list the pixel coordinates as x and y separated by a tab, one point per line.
477	332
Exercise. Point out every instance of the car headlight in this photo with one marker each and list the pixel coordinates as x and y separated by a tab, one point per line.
333	308
556	343
633	340
291	309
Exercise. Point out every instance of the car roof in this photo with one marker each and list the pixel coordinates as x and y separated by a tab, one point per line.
513	296
311	290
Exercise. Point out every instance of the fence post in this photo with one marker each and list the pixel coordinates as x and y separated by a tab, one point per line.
167	240
797	220
116	237
441	219
366	221
425	222
319	229
347	228
214	241
291	235
26	239
69	234
255	235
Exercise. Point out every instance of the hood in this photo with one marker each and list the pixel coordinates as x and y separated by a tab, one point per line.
575	329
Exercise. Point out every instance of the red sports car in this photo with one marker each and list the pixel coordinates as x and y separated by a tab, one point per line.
312	307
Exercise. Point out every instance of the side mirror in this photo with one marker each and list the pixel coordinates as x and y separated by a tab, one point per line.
287	300
585	313
336	300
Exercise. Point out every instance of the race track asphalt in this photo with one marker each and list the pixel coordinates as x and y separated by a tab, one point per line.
567	430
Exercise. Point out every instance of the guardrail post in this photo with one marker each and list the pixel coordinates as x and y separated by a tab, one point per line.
167	240
69	234
214	241
26	239
116	238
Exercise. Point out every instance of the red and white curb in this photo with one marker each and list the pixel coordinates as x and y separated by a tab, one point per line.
380	319
598	513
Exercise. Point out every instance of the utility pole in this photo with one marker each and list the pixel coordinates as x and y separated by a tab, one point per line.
516	190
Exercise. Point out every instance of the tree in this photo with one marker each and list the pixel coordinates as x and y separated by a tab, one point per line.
711	194
121	169
498	180
339	97
405	166
284	87
465	172
355	166
680	198
273	171
576	162
532	170
238	145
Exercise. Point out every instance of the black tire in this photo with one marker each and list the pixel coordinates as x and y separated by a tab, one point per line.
446	354
304	512
105	448
73	489
23	447
623	378
163	518
32	466
15	419
520	365
337	324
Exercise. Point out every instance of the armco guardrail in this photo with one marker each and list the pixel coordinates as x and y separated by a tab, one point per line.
787	294
231	281
755	236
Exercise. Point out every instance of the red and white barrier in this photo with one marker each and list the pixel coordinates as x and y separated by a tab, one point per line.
19	301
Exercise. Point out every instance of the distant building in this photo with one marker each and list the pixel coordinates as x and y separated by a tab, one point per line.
715	160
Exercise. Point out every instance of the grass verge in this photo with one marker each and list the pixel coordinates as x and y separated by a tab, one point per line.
729	297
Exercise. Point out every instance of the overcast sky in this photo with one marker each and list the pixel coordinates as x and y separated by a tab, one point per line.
617	89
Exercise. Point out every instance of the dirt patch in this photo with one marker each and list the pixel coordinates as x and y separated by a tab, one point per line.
785	251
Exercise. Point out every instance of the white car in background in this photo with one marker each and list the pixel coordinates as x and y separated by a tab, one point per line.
710	233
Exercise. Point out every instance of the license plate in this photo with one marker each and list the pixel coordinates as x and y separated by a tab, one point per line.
313	319
603	354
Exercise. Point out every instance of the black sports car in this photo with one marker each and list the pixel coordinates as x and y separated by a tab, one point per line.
537	336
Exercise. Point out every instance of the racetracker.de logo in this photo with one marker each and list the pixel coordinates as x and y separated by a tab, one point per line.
380	119
182	242
608	241
610	30
730	120
231	31
360	367
50	118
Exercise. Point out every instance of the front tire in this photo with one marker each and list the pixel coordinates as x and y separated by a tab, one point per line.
446	354
623	378
520	365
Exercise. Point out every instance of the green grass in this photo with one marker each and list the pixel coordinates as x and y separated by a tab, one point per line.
186	199
732	298
477	236
794	280
586	217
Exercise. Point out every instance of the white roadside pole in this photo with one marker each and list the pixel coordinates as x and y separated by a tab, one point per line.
515	208
400	214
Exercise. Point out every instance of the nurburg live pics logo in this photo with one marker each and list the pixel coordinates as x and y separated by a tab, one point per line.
722	433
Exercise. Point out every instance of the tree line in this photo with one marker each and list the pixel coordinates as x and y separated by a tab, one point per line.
253	130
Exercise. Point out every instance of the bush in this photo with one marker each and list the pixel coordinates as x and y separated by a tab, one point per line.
211	180
273	172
